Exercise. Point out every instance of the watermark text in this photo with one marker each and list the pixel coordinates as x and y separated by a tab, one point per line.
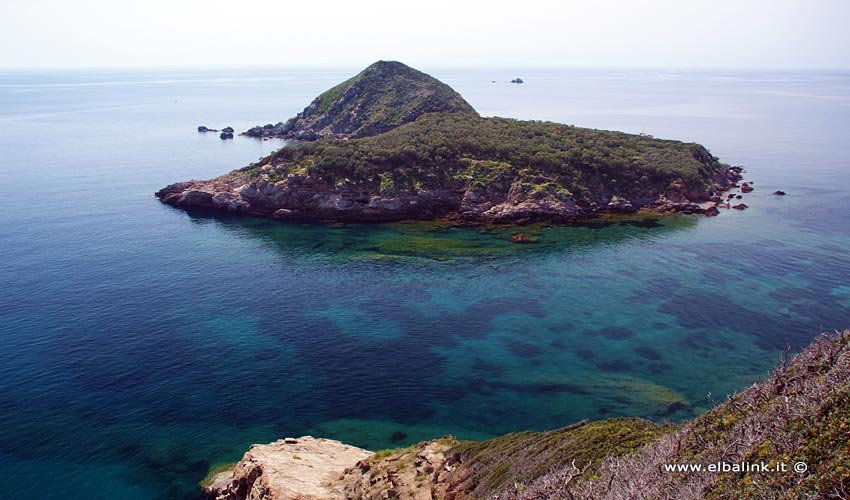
772	466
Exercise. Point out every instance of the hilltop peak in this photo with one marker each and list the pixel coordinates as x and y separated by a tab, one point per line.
381	97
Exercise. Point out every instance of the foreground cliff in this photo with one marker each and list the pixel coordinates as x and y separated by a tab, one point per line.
798	415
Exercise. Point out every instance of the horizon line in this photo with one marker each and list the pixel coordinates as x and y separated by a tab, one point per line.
450	65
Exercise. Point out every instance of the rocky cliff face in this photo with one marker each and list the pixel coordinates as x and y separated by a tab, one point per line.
322	469
312	197
381	97
304	469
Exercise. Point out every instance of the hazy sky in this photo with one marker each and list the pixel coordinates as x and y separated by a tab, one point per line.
676	33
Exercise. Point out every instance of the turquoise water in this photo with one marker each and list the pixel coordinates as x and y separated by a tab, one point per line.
140	343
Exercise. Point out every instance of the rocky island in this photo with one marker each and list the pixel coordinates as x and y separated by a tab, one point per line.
395	144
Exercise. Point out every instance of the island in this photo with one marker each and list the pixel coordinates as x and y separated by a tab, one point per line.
393	144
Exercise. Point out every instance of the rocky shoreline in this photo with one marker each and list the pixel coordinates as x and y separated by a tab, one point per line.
301	197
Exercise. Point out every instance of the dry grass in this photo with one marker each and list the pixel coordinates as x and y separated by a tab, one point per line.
800	413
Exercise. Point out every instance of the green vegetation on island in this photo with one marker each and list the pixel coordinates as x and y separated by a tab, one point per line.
379	98
394	144
453	151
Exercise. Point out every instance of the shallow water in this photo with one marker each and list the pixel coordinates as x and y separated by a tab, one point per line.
140	343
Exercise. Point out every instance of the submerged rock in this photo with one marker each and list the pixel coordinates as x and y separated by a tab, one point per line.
779	193
523	238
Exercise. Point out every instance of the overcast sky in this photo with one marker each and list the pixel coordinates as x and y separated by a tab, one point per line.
660	33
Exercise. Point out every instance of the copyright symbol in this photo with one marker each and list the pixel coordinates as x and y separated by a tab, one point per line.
800	467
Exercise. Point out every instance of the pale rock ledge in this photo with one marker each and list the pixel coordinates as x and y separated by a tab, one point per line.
305	468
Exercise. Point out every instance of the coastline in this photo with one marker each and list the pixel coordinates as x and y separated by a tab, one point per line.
233	195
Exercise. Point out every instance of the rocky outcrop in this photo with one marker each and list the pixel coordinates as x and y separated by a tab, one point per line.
304	469
712	211
421	472
381	97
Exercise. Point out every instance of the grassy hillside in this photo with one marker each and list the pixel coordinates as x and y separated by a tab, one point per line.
534	159
533	454
381	97
799	415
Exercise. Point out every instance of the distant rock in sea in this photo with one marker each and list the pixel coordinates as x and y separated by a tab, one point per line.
517	80
203	128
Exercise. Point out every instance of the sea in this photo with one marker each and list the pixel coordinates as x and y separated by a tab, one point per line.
142	344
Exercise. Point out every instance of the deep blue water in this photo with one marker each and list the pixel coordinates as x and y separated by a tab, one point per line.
139	343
